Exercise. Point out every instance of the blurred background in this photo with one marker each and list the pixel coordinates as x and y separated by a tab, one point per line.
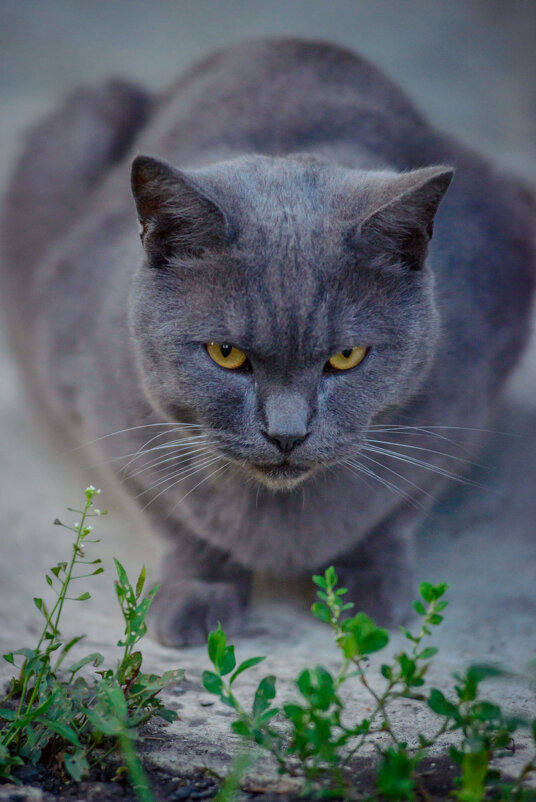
471	67
470	64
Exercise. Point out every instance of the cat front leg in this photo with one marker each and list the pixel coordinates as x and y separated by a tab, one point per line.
200	586
379	572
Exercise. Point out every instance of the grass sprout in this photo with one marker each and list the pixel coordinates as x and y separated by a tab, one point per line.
54	714
314	739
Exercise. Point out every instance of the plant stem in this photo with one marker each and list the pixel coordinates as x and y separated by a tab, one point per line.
138	778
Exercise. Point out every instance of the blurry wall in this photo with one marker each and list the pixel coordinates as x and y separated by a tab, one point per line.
469	63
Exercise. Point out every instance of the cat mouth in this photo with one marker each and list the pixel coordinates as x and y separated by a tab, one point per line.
281	475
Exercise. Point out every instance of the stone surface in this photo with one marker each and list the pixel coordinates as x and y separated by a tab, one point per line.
471	67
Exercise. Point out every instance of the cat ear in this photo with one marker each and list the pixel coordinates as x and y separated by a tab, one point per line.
398	231
175	214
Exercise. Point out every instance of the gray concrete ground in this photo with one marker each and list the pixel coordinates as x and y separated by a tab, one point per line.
471	67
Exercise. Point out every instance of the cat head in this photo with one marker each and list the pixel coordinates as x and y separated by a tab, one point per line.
283	303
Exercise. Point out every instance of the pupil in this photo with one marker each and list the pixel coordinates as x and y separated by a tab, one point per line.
226	350
347	353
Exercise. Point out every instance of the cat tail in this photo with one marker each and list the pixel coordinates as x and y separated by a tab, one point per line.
64	157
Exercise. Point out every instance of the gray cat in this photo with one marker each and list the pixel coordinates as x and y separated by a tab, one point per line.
295	366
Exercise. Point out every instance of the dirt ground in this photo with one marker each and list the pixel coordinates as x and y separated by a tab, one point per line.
471	67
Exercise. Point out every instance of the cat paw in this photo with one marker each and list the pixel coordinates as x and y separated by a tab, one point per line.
185	611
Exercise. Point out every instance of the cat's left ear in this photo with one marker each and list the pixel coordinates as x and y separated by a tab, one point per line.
399	229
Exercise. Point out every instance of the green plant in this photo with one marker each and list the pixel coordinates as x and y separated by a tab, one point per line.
311	738
54	714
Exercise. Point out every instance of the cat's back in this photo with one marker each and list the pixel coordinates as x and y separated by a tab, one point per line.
276	96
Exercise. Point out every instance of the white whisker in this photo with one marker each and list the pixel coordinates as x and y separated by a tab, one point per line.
385	482
144	450
184	472
395	473
422	464
418	431
433	426
177	459
140	453
132	429
184	443
428	450
222	467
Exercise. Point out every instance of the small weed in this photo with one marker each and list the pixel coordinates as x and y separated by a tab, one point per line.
311	738
53	714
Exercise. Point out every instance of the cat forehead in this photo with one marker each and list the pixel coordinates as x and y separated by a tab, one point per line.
280	308
279	190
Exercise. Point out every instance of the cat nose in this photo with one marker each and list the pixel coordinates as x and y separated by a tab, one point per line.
286	420
286	442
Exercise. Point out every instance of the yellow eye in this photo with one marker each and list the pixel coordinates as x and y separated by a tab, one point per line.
347	359
225	355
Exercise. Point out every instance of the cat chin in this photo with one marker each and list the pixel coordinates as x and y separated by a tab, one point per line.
280	477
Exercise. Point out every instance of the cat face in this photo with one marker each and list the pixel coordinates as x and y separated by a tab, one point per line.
284	304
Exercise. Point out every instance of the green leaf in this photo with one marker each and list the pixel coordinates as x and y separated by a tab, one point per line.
46	705
361	636
173	675
482	671
430	593
121	574
407	634
419	607
386	671
244	665
486	711
330	575
38	603
95	657
29	654
168	715
395	775
320	581
105	722
129	668
68	646
440	705
427	653
321	612
63	730
426	592
227	661
9	657
263	695
77	765
241	728
7	714
83	597
140	583
265	717
216	645
111	695
212	682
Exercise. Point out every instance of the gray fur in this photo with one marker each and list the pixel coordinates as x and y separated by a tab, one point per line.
289	212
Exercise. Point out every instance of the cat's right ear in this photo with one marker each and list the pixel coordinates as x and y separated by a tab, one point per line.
176	216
